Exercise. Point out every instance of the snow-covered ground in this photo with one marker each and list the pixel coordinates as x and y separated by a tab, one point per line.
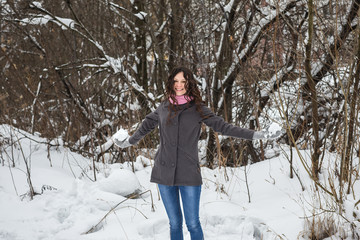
72	203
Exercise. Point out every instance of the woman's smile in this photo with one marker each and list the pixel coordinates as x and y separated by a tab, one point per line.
179	84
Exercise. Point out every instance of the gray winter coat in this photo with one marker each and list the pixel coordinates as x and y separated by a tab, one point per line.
177	161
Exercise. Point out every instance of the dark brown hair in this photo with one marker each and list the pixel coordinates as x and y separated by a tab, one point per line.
192	90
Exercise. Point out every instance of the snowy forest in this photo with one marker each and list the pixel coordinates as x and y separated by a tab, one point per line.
74	73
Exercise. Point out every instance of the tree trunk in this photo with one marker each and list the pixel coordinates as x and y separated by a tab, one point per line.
313	95
141	53
351	129
220	91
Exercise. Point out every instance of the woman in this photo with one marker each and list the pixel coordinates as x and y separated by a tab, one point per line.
176	169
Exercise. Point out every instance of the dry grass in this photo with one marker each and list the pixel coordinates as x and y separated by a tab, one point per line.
320	226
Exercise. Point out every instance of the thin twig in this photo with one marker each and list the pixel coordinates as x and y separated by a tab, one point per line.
113	209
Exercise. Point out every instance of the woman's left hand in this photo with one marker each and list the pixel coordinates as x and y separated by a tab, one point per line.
272	132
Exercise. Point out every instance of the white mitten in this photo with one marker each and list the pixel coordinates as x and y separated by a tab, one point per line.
122	144
121	139
259	135
274	131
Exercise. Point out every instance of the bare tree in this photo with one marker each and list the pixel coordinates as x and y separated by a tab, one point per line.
67	73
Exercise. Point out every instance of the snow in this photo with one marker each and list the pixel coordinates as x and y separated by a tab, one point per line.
121	181
141	15
66	23
228	6
36	20
274	127
37	4
121	135
71	202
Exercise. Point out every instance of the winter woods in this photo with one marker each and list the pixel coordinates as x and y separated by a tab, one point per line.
79	70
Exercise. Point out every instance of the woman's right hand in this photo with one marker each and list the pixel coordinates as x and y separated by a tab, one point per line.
122	143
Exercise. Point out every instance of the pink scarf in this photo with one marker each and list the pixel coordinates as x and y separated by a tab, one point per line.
182	99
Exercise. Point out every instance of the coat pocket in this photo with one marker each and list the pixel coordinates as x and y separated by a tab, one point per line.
192	159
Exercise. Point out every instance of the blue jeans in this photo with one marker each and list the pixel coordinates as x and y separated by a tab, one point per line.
190	196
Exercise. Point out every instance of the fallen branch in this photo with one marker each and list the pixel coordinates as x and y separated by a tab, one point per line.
93	228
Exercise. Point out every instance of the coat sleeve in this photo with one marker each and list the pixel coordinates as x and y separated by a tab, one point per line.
219	125
150	122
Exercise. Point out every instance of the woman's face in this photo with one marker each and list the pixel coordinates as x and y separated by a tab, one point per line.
179	84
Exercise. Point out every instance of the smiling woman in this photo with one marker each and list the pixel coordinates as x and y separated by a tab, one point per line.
176	169
179	84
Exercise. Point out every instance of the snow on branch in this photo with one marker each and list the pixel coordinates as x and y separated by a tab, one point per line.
264	23
343	32
116	65
64	23
247	51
